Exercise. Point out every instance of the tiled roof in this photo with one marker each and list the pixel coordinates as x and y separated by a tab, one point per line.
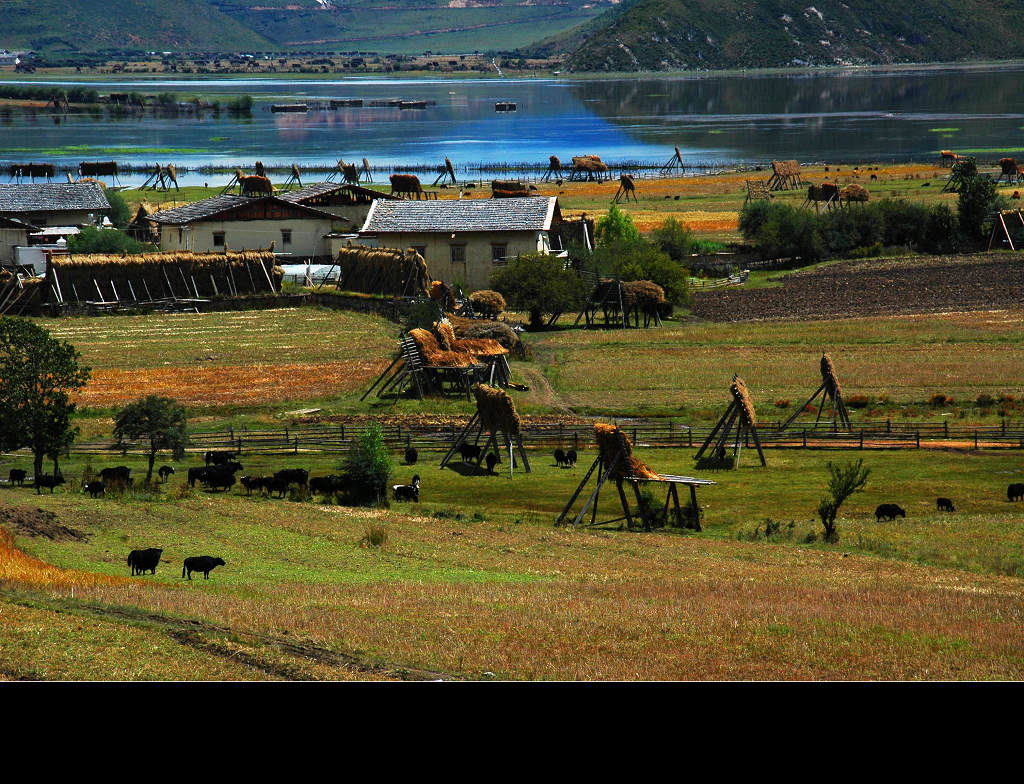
215	205
320	188
525	214
58	196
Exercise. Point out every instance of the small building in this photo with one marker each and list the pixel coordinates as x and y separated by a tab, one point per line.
247	223
54	203
464	241
13	233
349	203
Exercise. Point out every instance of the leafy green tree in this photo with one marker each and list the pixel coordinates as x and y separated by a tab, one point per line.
538	283
95	240
844	480
368	466
159	420
120	213
643	260
674	238
616	226
38	374
978	198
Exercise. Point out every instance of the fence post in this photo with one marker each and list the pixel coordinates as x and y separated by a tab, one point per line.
975	438
945	427
1004	427
888	425
862	438
805	438
690	437
918	439
575	438
560	435
343	431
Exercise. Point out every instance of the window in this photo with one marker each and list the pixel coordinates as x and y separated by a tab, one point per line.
286	236
420	249
218	239
498	251
458	254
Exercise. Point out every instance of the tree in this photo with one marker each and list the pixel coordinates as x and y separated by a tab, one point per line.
160	420
538	283
845	479
368	466
675	238
978	198
643	260
120	212
616	226
93	239
38	374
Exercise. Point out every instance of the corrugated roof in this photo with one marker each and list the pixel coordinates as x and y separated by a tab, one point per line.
525	214
215	205
55	196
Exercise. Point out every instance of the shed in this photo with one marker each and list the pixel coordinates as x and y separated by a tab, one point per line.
54	203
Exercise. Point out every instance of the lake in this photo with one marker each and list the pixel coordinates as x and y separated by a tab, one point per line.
840	116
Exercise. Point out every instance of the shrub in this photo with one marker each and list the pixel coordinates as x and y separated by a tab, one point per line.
783	230
617	226
369	466
939	399
375	536
540	284
674	238
844	480
858	401
422	315
95	240
650	510
782	403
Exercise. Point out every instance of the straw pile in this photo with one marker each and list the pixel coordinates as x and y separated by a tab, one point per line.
554	163
383	271
592	164
610	441
487	303
478	347
643	294
741	396
508	189
493	330
437	356
786	168
1009	166
824	192
829	377
158	275
496	410
854	192
442	293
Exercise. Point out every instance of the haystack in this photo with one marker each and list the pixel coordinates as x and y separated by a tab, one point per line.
496	409
437	356
385	271
740	413
496	414
611	441
855	193
442	294
508	189
478	347
488	303
739	392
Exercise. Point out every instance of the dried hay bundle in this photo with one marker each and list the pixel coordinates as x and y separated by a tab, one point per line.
443	294
824	192
854	192
405	183
643	294
181	274
435	355
742	397
829	377
554	162
383	271
508	189
786	168
610	441
588	163
488	303
501	333
478	347
496	409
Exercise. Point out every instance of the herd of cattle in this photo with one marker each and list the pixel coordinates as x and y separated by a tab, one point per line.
142	561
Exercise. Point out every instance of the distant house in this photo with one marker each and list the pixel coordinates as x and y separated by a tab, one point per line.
464	240
54	204
248	223
349	203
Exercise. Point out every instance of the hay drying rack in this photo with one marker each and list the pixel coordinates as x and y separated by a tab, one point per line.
739	414
830	392
495	423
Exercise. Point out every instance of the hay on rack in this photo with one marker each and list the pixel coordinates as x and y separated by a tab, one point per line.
554	163
478	347
349	171
259	169
854	193
508	189
1008	166
829	377
496	409
406	184
643	294
383	271
742	398
98	168
610	442
488	303
435	355
442	294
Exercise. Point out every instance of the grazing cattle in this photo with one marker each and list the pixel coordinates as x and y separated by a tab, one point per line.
406	184
570	458
888	512
407	492
165	471
197	475
332	483
273	484
232	466
48	480
251	483
117	474
469	452
142	560
411	456
17	476
559	458
96	489
491	460
214	457
297	476
1015	492
201	563
944	505
218	479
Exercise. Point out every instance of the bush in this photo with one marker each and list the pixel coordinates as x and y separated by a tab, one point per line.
375	536
674	238
939	399
422	315
780	230
95	240
985	400
617	226
540	284
369	467
858	401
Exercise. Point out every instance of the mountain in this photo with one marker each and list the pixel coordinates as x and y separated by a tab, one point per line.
641	35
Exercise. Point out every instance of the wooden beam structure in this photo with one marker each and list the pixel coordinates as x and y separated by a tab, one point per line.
740	413
832	393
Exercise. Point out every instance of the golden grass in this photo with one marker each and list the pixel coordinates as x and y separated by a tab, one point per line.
19	567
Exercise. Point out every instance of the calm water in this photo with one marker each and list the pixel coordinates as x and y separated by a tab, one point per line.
841	117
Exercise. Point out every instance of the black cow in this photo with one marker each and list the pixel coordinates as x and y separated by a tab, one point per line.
218	478
570	458
560	458
889	512
469	452
48	480
201	563
141	560
116	474
165	471
408	492
272	484
1015	492
17	476
218	458
944	505
251	483
231	465
491	460
298	476
96	489
411	456
332	483
196	475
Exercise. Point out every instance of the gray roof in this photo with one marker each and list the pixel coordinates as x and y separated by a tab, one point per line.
531	213
215	205
52	197
321	188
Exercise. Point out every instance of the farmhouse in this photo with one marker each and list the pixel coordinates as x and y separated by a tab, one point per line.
54	204
246	223
349	203
463	240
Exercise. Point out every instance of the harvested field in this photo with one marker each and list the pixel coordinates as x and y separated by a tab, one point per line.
875	288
